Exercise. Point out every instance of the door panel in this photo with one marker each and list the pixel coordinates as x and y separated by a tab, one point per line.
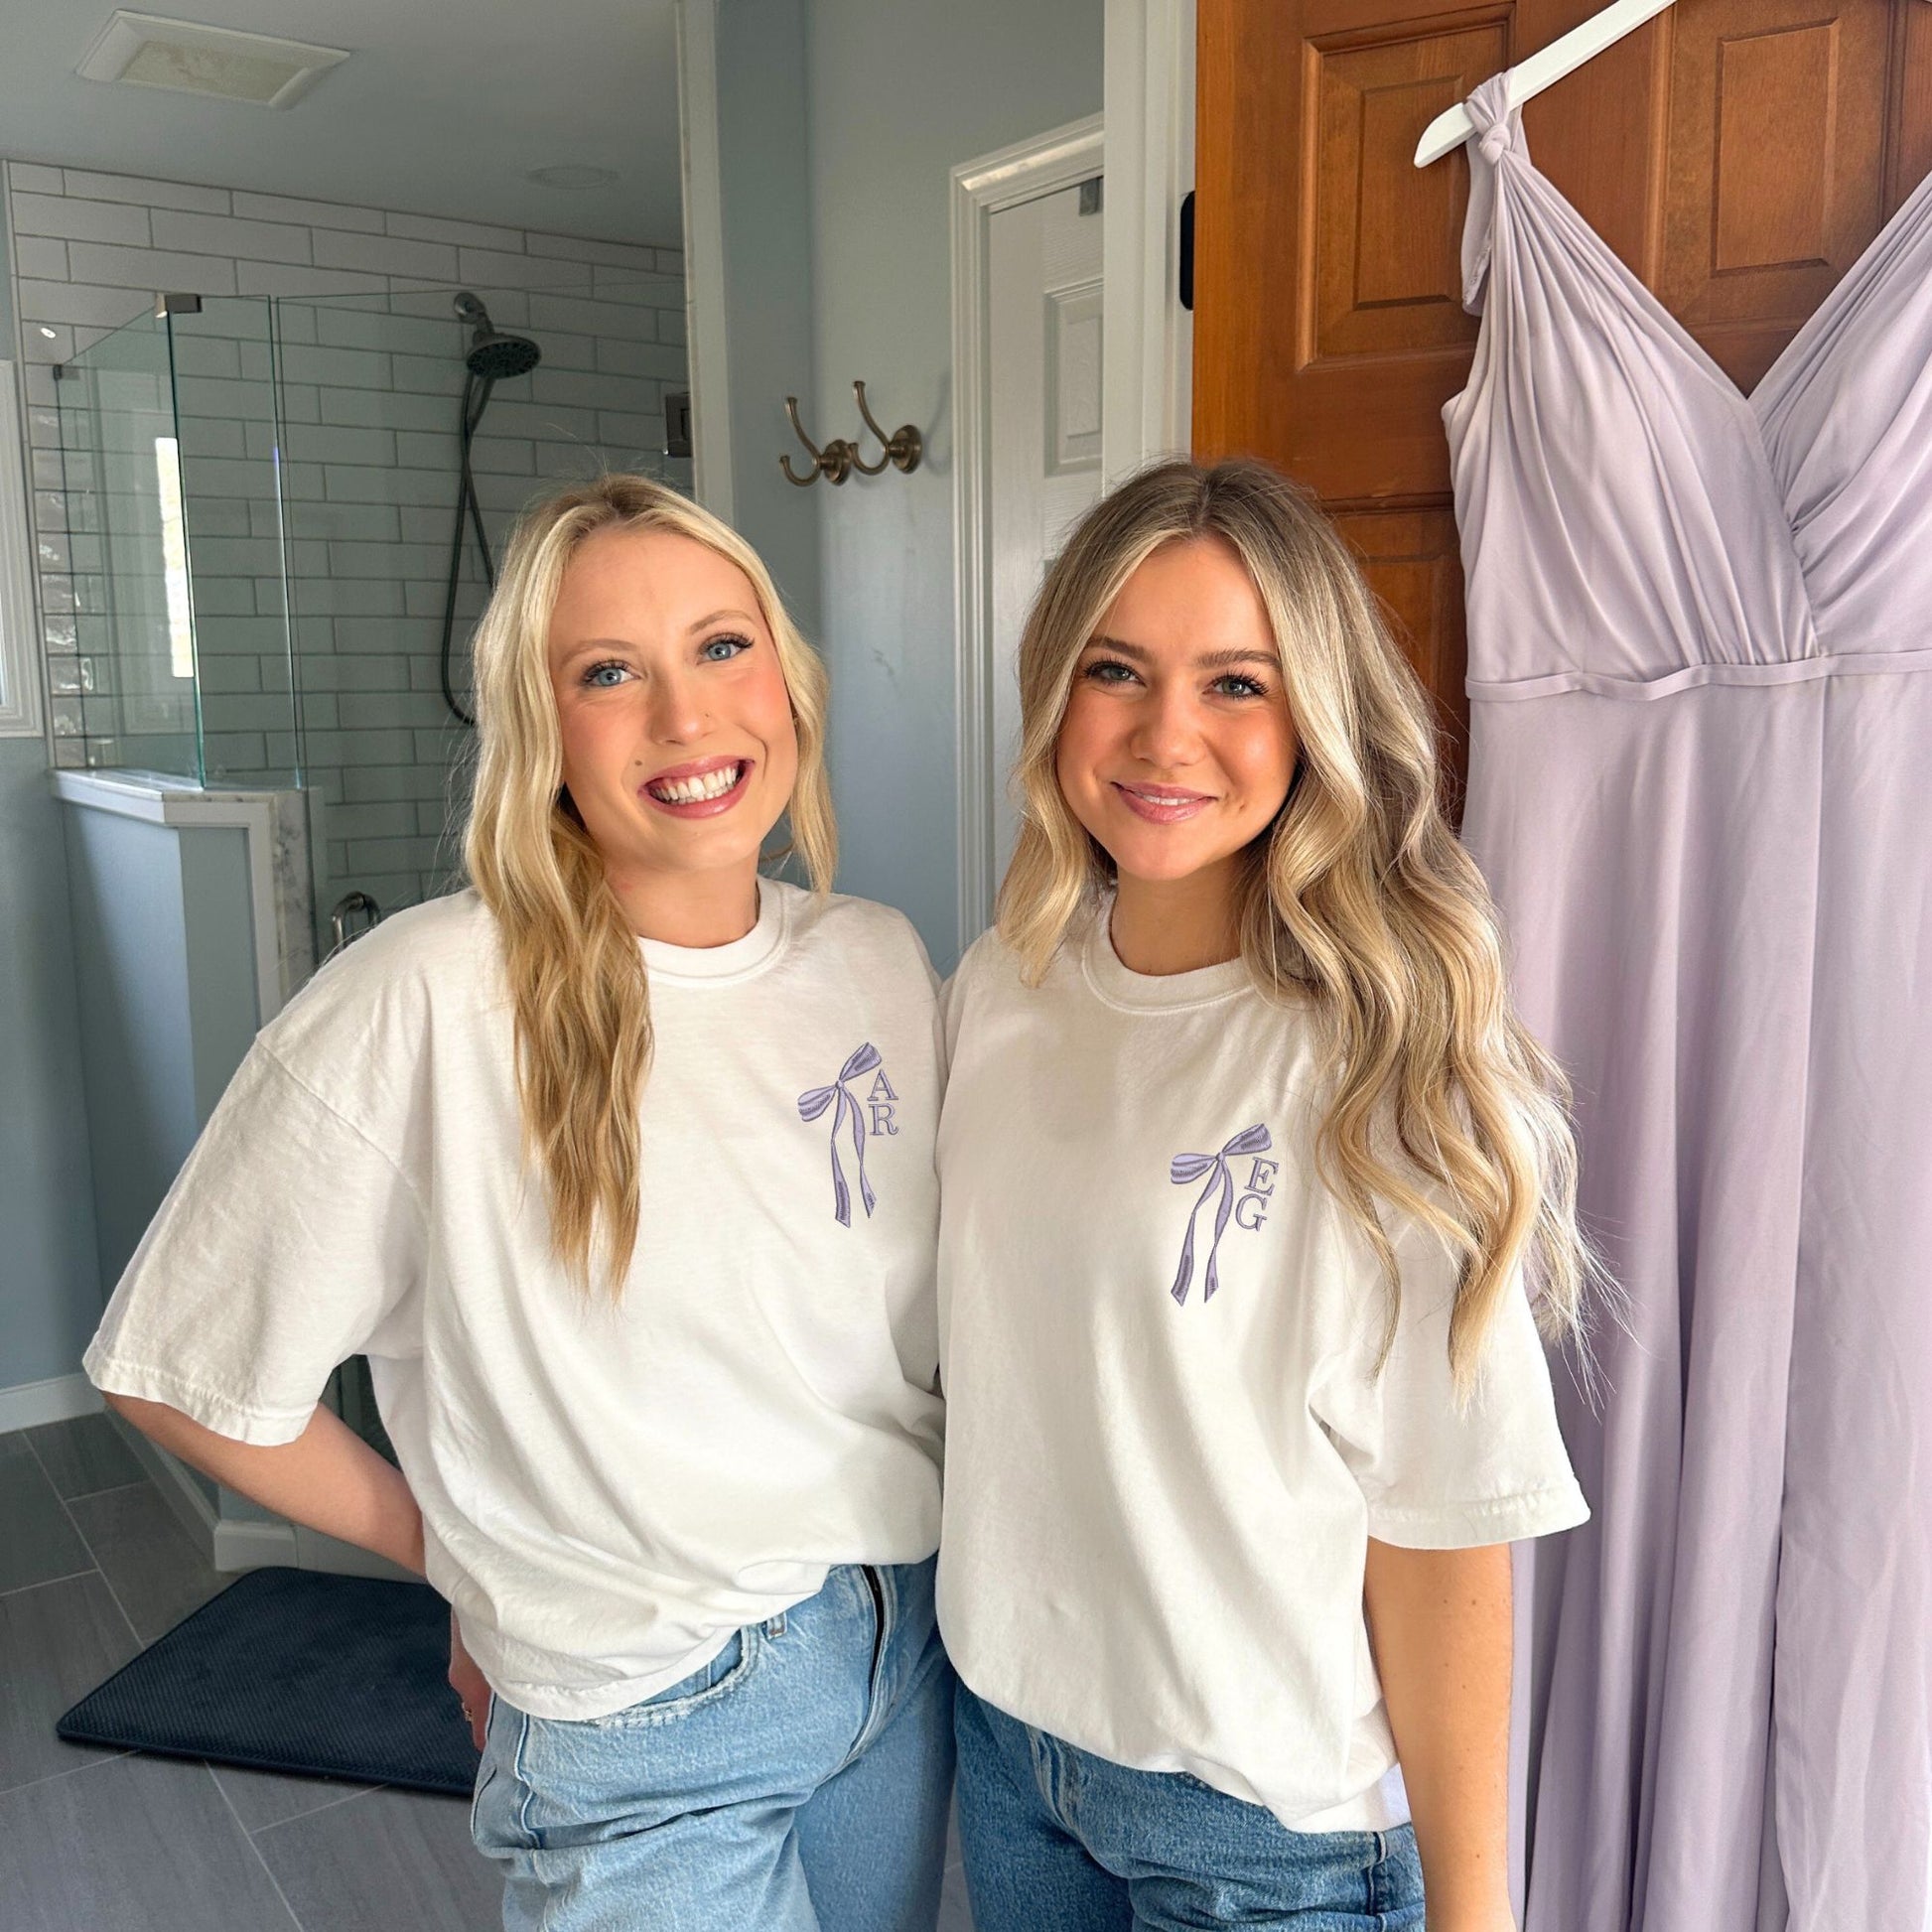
1736	153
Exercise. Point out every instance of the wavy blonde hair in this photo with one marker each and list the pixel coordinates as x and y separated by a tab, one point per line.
576	971
1358	902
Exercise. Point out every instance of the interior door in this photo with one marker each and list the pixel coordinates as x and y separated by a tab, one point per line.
1737	154
1043	302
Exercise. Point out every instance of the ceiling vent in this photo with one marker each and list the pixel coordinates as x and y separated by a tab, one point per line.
146	51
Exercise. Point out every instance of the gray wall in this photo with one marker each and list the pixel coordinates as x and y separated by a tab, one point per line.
51	1293
900	92
765	189
839	126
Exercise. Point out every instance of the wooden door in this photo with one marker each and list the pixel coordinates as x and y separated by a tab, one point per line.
1737	154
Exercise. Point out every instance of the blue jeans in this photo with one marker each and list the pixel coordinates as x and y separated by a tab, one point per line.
799	1780
1056	1839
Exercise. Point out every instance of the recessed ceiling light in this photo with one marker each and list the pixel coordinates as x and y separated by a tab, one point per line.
572	175
147	50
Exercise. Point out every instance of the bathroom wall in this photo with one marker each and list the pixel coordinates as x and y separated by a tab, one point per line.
50	1278
897	92
370	357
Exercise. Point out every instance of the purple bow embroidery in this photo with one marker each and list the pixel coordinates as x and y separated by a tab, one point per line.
814	1103
1190	1167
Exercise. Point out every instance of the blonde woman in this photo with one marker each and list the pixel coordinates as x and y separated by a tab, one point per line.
618	1166
1250	1181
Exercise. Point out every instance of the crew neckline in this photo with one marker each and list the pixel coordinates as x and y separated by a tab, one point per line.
737	959
1120	986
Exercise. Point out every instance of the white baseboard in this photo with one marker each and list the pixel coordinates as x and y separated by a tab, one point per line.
27	1405
253	1546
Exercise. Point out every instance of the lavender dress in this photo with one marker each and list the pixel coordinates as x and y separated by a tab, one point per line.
1701	787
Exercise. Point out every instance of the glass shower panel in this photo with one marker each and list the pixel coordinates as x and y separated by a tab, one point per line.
121	461
232	477
168	447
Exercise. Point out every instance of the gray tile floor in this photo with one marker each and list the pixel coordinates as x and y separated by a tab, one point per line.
92	1566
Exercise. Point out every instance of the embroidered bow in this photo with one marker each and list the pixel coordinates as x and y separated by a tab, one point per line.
1190	1167
814	1103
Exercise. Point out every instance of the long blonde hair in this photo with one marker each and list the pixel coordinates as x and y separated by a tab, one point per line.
1357	902
576	971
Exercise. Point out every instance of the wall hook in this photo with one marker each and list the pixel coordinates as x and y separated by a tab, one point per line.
834	463
904	447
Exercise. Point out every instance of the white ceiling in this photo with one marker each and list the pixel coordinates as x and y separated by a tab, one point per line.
444	108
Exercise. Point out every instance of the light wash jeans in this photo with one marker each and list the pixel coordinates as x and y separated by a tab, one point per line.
1056	1839
798	1781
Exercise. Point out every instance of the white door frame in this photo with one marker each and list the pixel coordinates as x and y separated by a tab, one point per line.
1061	159
704	256
1148	360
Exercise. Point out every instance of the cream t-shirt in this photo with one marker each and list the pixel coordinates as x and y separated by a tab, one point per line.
608	1490
1166	1451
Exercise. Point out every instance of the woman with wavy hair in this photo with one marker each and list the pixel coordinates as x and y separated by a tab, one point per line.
1252	1186
618	1165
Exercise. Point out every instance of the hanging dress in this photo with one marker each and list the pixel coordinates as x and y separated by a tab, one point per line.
1701	788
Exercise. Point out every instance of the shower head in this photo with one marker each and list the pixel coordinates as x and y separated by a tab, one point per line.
491	355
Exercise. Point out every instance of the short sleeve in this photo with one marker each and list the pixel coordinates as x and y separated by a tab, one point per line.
288	1242
1435	1475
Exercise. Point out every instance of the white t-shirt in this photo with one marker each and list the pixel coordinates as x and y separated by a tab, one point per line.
1164	1450
608	1490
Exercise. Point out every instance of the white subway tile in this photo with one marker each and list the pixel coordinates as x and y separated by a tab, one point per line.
501	456
290	278
101	309
432	375
670	261
351	483
388	408
658	362
469	234
494	269
223	234
151	194
552	422
79	221
638	290
151	268
359	328
317	214
346	522
588	389
618	254
214	355
564	348
354	369
424	261
330	443
30	178
590	317
41	257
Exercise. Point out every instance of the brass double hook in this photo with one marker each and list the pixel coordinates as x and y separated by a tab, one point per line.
839	458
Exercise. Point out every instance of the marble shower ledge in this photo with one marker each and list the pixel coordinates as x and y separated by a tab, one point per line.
276	823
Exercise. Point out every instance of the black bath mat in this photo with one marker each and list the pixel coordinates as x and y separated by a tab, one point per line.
300	1672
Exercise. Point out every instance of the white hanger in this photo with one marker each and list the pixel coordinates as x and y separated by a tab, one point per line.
1544	70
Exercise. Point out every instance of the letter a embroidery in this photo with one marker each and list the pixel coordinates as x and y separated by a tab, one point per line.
844	1110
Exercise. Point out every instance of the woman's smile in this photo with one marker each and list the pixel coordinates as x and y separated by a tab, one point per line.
700	788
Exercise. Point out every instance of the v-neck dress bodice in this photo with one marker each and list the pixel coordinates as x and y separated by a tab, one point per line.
1701	777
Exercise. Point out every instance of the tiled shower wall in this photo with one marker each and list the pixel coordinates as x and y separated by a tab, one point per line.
371	361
